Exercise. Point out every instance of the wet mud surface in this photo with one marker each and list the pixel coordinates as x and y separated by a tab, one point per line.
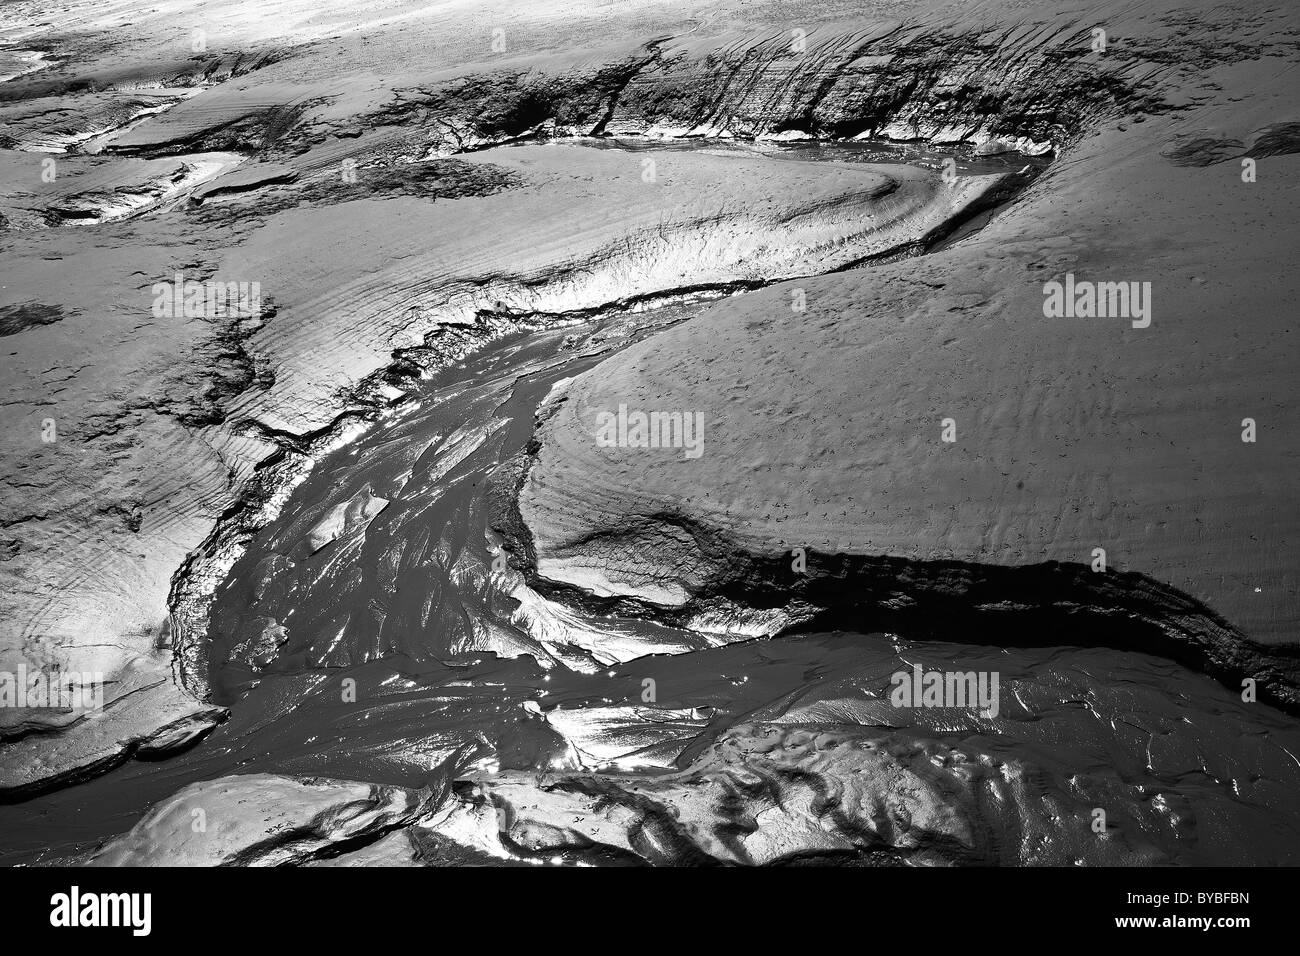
374	632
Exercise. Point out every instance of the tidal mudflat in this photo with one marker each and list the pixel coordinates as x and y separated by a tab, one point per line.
676	434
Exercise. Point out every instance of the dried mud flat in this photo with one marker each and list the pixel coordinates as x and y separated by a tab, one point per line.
326	336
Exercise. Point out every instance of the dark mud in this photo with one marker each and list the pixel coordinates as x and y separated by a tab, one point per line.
373	641
374	631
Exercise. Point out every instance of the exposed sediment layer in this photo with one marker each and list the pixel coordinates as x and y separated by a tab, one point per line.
312	366
783	794
264	820
703	578
101	520
938	444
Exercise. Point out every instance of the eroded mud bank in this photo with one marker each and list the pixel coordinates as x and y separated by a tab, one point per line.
261	418
238	417
374	632
126	116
